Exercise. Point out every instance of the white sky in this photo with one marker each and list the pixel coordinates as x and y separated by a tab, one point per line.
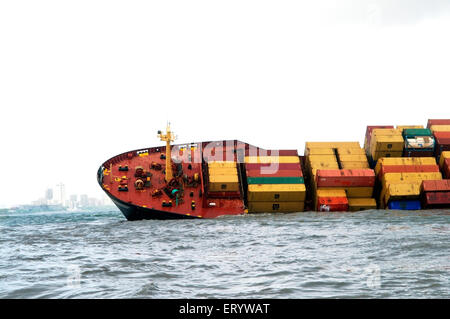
81	81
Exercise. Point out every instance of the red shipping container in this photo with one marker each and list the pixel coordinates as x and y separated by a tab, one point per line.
443	141
438	122
442	185
441	199
407	169
345	178
369	130
265	166
442	138
332	204
279	173
442	135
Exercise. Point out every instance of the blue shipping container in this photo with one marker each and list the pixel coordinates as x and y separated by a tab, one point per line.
405	204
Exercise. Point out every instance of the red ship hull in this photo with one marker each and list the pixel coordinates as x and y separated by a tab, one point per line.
197	201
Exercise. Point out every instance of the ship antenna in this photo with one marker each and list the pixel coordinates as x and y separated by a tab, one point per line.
168	137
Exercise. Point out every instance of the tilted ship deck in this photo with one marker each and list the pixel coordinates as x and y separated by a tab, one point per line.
398	168
155	198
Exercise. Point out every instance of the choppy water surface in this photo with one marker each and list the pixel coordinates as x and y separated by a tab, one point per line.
374	254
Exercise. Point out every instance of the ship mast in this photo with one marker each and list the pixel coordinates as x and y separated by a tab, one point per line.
168	137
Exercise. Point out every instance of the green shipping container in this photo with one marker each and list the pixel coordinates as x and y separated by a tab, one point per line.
417	132
275	180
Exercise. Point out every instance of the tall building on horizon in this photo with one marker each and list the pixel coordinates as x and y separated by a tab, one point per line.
62	193
84	201
49	194
73	202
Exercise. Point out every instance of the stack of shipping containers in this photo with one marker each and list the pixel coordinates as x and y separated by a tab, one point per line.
223	177
441	132
322	155
368	137
384	142
275	183
400	168
436	193
361	191
345	189
340	177
352	157
444	164
401	180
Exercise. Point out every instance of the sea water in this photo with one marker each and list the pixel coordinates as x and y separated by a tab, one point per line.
99	254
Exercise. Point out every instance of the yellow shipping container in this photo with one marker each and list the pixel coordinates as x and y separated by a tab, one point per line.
440	128
354	165
404	161
409	178
272	159
350	151
358	204
426	160
222	171
387	143
402	191
223	183
320	165
226	178
322	158
354	192
319	151
221	164
353	158
387	154
444	155
311	145
270	207
331	192
276	192
403	127
386	131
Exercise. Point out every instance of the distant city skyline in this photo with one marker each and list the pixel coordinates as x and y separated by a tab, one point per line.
57	196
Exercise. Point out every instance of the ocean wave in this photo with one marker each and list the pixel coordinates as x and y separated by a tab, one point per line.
374	254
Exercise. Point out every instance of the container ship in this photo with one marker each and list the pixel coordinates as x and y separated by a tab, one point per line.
398	168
